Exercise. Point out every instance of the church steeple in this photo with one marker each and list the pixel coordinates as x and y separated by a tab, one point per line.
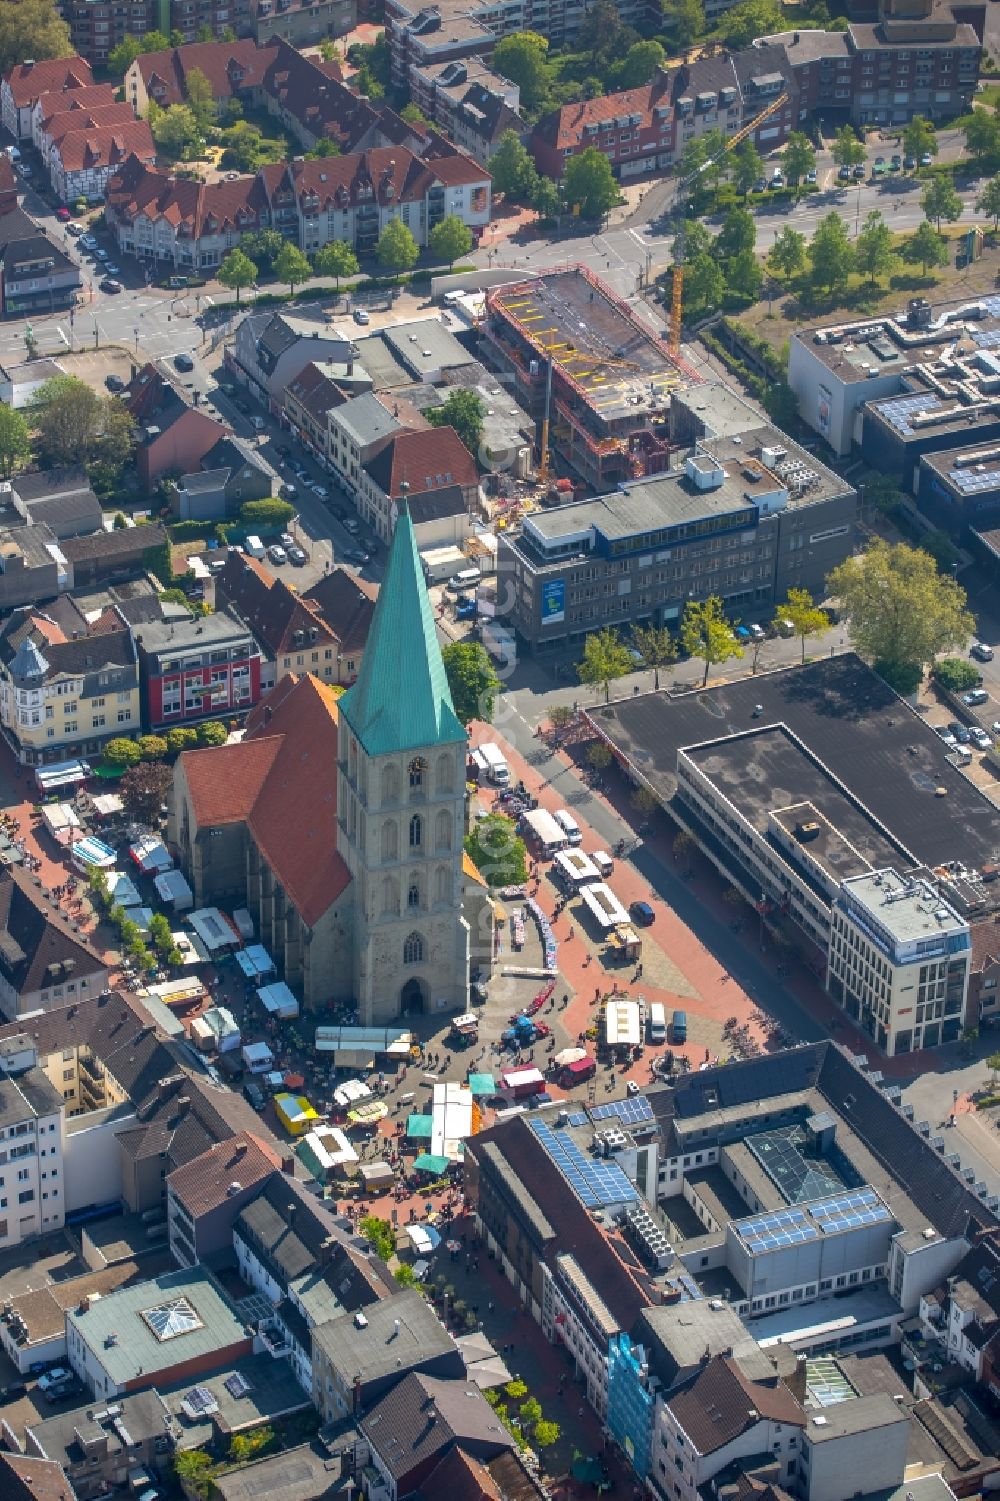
401	699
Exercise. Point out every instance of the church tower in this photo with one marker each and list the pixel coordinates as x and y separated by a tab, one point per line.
401	792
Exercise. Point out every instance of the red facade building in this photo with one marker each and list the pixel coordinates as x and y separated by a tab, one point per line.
197	669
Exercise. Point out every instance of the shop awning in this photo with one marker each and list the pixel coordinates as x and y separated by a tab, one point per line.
418	1127
430	1162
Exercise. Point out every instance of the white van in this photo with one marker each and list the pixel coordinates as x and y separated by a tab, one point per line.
254	547
657	1023
604	863
467	579
569	826
451	299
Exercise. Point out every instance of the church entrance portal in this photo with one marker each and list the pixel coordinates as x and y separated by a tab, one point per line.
412	998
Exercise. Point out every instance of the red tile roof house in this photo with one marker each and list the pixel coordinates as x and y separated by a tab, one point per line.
634	129
184	224
83	160
233	69
49	106
173	437
256	823
434	472
23	86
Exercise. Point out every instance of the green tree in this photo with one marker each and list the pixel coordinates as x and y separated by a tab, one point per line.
744	275
465	412
639	64
159	933
324	147
523	59
982	137
336	259
530	1412
212	733
831	255
988	201
194	1471
847	150
939	200
602	34
412	115
516	1389
158	41
473	682
512	168
200	99
738	233
925	247
32	28
181	738
684	21
798	157
263	246
787	257
378	1233
546	1434
122	752
692	241
704	285
143	789
496	851
74	424
152	747
706	633
993	1064
753	18
292	267
901	610
397	251
807	618
748	166
236	272
605	659
450	239
656	646
546	198
405	1275
15	440
175	129
244	147
874	252
919	138
268	511
121	58
589	181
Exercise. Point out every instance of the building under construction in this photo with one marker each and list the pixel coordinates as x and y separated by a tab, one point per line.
611	378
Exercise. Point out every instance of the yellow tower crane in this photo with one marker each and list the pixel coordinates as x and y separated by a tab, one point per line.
677	287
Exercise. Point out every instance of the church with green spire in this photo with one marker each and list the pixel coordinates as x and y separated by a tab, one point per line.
401	752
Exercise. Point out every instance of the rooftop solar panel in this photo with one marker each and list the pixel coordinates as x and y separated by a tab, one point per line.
595	1183
631	1111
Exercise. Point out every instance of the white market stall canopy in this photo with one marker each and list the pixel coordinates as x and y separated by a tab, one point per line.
604	906
258	1057
173	889
350	1092
151	855
190	947
224	1027
61	821
141	916
61	774
92	852
330	1148
393	1042
623	1020
278	999
123	890
180	992
451	1119
107	804
255	962
212	928
244	924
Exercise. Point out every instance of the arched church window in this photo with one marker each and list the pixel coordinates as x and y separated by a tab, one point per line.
418	771
413	949
442	830
413	894
416	832
390	840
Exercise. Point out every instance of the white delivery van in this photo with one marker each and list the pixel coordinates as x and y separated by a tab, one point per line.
463	581
254	547
657	1023
498	770
569	826
604	863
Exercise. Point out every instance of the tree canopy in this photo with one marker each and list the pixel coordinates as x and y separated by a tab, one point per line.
589	181
237	271
75	425
925	247
464	411
143	789
605	659
497	851
706	633
336	259
901	610
806	616
513	171
939	200
874	252
472	680
291	266
831	255
523	59
397	251
450	238
32	28
847	150
15	440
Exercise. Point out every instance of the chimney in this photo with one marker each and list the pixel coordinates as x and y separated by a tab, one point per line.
357	1394
796	1382
287	1163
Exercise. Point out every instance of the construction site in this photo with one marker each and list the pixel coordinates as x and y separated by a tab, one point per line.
591	373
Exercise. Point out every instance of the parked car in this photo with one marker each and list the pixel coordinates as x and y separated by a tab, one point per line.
277	554
895	163
642	913
76	230
844	174
288	492
88	241
960	732
287	540
352	525
56	1377
100	254
760	186
974	697
926	159
356	556
112	269
254	1095
317	488
183	362
361	315
108	284
981	651
63	215
468	611
297	556
114	383
980	739
758	633
812	177
946	735
909	162
778	179
858	172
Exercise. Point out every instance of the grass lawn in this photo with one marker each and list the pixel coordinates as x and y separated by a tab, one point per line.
988	96
790	310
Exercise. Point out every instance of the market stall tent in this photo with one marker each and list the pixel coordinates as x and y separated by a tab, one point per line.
214	931
61	774
255	962
295	1113
174	891
257	1057
151	855
90	853
61	820
122	889
278	1000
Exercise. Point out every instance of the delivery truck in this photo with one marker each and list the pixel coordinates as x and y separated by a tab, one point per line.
496	764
